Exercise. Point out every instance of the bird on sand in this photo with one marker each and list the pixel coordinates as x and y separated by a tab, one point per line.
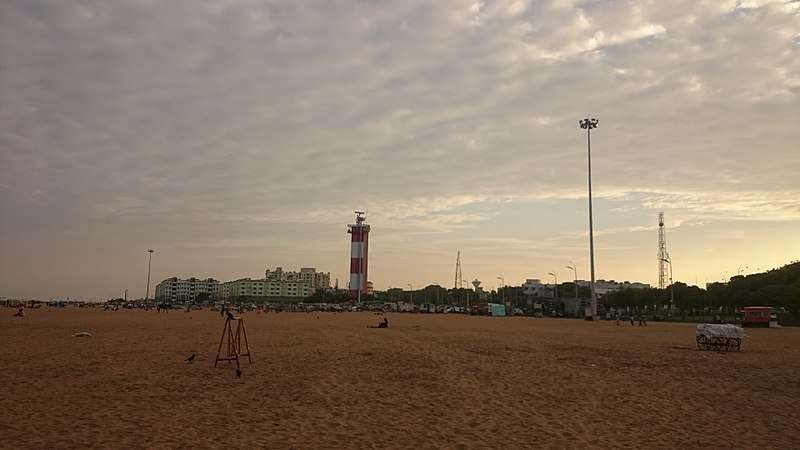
230	315
191	358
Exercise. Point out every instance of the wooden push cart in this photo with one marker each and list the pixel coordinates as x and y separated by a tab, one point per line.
719	337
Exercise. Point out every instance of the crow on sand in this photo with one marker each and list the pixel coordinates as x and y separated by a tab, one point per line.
191	358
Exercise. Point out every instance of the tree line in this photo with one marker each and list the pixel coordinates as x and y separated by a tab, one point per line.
777	288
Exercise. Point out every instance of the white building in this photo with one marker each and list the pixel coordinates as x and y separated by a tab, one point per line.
533	287
603	287
175	289
308	275
246	287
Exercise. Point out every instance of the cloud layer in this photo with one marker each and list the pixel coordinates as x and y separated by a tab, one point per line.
208	126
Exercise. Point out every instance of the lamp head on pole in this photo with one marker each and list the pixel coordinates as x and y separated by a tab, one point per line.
588	124
150	250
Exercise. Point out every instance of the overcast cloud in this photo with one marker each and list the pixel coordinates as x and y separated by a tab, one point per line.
235	135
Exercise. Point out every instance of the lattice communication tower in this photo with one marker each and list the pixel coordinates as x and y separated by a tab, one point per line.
459	282
663	255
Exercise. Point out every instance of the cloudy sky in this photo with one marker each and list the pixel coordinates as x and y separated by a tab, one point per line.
231	136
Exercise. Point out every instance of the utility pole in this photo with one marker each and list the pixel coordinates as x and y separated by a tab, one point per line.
574	269
503	282
588	124
555	285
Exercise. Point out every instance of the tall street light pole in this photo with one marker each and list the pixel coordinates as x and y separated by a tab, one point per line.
588	124
572	267
149	262
411	292
555	284
503	283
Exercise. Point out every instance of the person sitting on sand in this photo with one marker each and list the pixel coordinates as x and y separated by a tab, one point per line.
20	313
384	324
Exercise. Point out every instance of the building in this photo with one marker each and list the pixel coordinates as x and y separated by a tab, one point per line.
174	289
603	287
308	275
533	287
245	287
479	292
359	251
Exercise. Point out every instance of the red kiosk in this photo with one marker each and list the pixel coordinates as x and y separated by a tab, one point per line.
757	316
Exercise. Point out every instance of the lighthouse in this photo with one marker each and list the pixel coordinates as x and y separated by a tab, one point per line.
359	247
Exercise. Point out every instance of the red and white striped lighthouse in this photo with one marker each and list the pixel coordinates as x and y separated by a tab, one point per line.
359	247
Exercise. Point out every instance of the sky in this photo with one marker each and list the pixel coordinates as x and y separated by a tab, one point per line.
233	136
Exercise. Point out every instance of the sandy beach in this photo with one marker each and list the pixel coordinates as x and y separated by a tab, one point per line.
429	381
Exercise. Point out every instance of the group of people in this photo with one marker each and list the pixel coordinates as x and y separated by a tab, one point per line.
641	318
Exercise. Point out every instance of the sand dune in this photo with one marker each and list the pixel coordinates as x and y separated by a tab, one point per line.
327	381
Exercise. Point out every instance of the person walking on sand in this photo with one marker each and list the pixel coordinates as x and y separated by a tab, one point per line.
617	317
632	322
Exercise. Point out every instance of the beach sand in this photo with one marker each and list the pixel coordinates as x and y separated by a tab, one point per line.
429	381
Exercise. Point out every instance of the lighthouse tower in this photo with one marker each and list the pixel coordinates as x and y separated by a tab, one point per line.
359	248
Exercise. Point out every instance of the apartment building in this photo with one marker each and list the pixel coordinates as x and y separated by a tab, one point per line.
246	287
308	275
176	289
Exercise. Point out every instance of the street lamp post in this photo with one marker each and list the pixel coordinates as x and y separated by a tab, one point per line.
588	124
572	267
555	284
149	262
503	284
411	293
